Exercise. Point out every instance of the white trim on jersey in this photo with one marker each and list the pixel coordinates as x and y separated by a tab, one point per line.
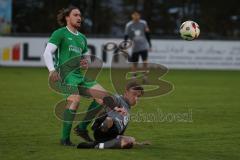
72	31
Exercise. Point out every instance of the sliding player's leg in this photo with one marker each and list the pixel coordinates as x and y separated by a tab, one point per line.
120	142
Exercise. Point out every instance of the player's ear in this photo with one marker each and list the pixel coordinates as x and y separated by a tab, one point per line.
67	18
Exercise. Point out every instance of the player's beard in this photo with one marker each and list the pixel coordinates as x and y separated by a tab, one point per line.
77	26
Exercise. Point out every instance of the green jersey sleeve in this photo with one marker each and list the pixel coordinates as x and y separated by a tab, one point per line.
56	38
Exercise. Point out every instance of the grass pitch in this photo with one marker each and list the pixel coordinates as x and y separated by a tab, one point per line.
198	120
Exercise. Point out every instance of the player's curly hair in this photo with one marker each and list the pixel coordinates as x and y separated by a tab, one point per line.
63	13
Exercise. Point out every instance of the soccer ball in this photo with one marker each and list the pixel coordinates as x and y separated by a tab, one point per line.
189	30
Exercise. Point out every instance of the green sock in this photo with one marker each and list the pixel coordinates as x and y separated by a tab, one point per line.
68	117
92	111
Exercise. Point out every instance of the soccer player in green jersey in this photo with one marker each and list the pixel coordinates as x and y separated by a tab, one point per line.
67	43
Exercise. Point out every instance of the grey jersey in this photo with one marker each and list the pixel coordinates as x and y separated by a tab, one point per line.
136	32
121	121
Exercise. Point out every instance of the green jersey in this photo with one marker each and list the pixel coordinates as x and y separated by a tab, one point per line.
71	48
69	45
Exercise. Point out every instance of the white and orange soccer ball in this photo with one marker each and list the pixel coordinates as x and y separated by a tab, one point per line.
189	30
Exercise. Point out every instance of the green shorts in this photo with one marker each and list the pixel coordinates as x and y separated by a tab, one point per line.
75	83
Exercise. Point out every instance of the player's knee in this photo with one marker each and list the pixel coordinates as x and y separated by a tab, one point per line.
107	124
109	121
73	102
127	143
132	139
74	98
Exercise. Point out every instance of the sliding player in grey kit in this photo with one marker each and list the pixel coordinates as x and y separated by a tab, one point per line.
110	127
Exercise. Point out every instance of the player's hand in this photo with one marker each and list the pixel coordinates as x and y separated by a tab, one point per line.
84	63
144	143
150	50
54	76
120	110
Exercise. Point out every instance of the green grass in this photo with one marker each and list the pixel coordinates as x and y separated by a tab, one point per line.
29	129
